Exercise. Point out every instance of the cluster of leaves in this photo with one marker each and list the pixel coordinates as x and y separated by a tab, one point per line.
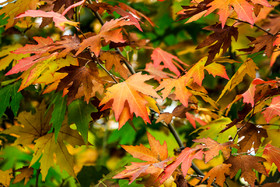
112	73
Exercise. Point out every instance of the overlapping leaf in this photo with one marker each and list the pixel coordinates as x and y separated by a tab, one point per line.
80	81
170	61
128	97
272	155
12	9
110	31
58	19
35	127
220	39
273	109
156	159
246	163
219	173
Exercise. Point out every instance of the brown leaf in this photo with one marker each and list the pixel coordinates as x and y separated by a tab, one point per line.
26	173
66	45
219	173
80	81
194	11
246	163
221	38
166	117
111	59
265	43
251	137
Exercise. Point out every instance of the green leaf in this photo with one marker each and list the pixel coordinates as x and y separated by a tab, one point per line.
79	113
9	97
58	113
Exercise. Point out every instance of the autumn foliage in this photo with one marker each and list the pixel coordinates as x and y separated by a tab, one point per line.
140	93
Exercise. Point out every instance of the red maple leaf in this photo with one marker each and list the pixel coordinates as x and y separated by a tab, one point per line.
273	109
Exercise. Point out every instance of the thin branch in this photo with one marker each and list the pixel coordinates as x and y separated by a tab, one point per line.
258	27
108	72
37	177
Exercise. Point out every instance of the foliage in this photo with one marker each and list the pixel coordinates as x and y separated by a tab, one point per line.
196	81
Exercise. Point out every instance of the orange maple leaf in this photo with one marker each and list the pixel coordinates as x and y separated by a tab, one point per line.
217	172
130	96
156	159
243	9
169	61
110	31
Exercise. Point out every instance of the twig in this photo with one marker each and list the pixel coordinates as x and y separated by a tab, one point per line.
37	177
108	72
258	27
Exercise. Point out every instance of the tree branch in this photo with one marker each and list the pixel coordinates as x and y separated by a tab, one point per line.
258	27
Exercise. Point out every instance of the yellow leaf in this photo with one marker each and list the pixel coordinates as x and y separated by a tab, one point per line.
7	57
14	8
5	177
248	67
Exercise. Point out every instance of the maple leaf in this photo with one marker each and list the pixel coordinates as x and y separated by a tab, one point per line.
248	67
46	66
251	137
217	69
262	43
221	38
273	109
38	49
26	173
13	8
157	72
192	119
127	98
194	11
219	173
156	159
35	128
243	9
246	163
185	158
114	59
68	44
7	57
169	61
272	155
211	148
80	79
110	31
133	15
5	177
32	126
181	92
58	19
